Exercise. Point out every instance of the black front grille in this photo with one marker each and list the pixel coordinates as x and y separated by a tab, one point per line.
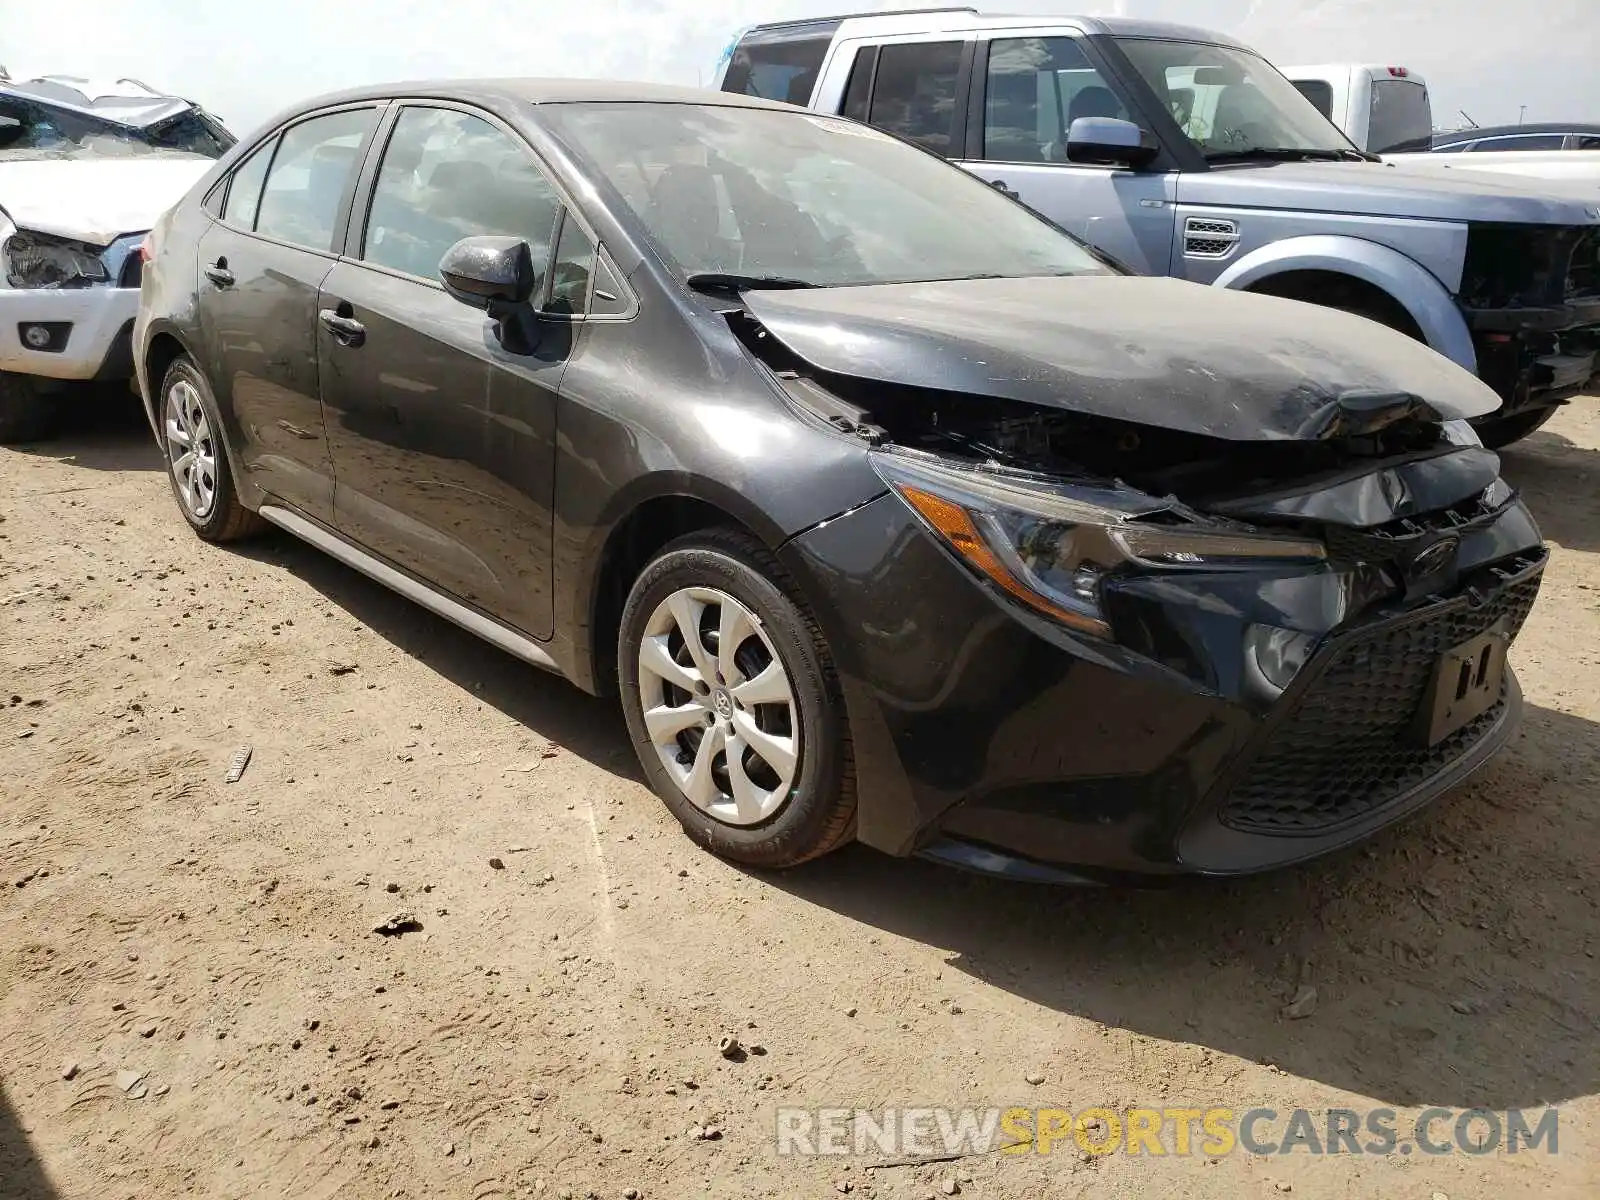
1395	541
132	274
1347	748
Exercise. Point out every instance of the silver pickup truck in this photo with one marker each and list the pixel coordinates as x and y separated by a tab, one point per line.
1181	152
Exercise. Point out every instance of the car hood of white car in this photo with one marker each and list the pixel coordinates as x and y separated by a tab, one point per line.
95	200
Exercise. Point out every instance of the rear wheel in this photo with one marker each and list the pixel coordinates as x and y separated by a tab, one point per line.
733	703
26	413
197	460
1498	432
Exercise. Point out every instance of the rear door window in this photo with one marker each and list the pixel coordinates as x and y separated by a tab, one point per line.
1401	118
1035	88
315	162
914	93
780	64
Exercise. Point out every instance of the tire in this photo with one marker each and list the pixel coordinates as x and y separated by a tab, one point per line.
198	467
26	413
1499	432
771	811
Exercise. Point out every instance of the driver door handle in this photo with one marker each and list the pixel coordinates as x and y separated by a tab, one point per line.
347	331
219	274
999	185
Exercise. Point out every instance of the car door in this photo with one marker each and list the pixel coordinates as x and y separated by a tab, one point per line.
442	437
262	264
1027	89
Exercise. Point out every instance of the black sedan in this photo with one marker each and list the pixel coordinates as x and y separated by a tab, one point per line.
893	512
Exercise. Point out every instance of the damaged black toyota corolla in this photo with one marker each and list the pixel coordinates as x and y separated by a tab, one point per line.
893	512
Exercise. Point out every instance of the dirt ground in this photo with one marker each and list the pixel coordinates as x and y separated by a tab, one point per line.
199	956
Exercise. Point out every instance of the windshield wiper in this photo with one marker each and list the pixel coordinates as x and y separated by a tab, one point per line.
1289	154
720	281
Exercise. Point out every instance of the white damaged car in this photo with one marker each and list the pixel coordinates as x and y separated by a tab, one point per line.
85	170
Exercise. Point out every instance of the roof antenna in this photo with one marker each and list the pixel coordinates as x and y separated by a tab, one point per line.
1468	119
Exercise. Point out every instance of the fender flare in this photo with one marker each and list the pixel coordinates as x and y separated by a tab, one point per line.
158	327
1416	290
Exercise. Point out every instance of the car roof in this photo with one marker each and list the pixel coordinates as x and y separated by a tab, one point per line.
958	19
541	91
1545	127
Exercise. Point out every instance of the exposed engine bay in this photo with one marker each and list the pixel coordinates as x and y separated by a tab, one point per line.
1191	469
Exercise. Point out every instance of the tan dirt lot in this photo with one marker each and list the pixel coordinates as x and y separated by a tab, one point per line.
215	941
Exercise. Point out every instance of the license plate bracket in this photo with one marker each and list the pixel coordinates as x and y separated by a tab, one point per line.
1466	684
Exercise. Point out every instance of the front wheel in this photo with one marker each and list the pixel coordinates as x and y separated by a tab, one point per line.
1499	432
733	704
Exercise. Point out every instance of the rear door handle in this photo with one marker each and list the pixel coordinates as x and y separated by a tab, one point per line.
219	274
347	331
999	185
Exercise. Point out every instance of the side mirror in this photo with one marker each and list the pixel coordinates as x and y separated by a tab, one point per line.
1109	142
489	272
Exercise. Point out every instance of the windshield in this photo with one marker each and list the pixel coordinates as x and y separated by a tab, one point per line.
759	193
34	129
1231	102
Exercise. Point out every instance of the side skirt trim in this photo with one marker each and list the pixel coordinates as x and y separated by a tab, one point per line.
415	590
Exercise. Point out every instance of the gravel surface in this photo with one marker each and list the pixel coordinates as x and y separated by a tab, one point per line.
439	940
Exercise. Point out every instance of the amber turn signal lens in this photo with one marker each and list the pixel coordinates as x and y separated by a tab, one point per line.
954	524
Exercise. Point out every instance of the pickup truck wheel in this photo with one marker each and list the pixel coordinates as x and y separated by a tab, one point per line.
197	458
1497	432
26	413
733	704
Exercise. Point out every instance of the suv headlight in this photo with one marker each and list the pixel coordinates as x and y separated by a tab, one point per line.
1050	545
43	260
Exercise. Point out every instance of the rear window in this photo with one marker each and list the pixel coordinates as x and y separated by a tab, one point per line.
1319	92
780	64
1401	118
1524	141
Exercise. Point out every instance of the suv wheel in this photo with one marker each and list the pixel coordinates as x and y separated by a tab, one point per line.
733	703
197	459
26	413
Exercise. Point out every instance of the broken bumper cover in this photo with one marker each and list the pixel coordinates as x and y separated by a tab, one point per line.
989	737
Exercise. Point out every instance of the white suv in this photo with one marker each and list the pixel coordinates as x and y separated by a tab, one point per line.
85	170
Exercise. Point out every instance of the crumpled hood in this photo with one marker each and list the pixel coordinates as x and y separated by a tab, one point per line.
95	200
1158	352
1381	190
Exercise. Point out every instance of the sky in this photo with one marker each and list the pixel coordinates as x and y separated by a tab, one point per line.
244	60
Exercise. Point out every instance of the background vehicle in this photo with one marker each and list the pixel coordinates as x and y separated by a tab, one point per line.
85	169
1553	135
890	511
1383	110
1183	153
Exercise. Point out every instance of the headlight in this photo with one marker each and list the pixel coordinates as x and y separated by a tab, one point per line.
1050	546
42	260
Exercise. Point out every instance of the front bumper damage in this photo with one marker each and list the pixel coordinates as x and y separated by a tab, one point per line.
1531	298
993	739
1143	602
75	333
